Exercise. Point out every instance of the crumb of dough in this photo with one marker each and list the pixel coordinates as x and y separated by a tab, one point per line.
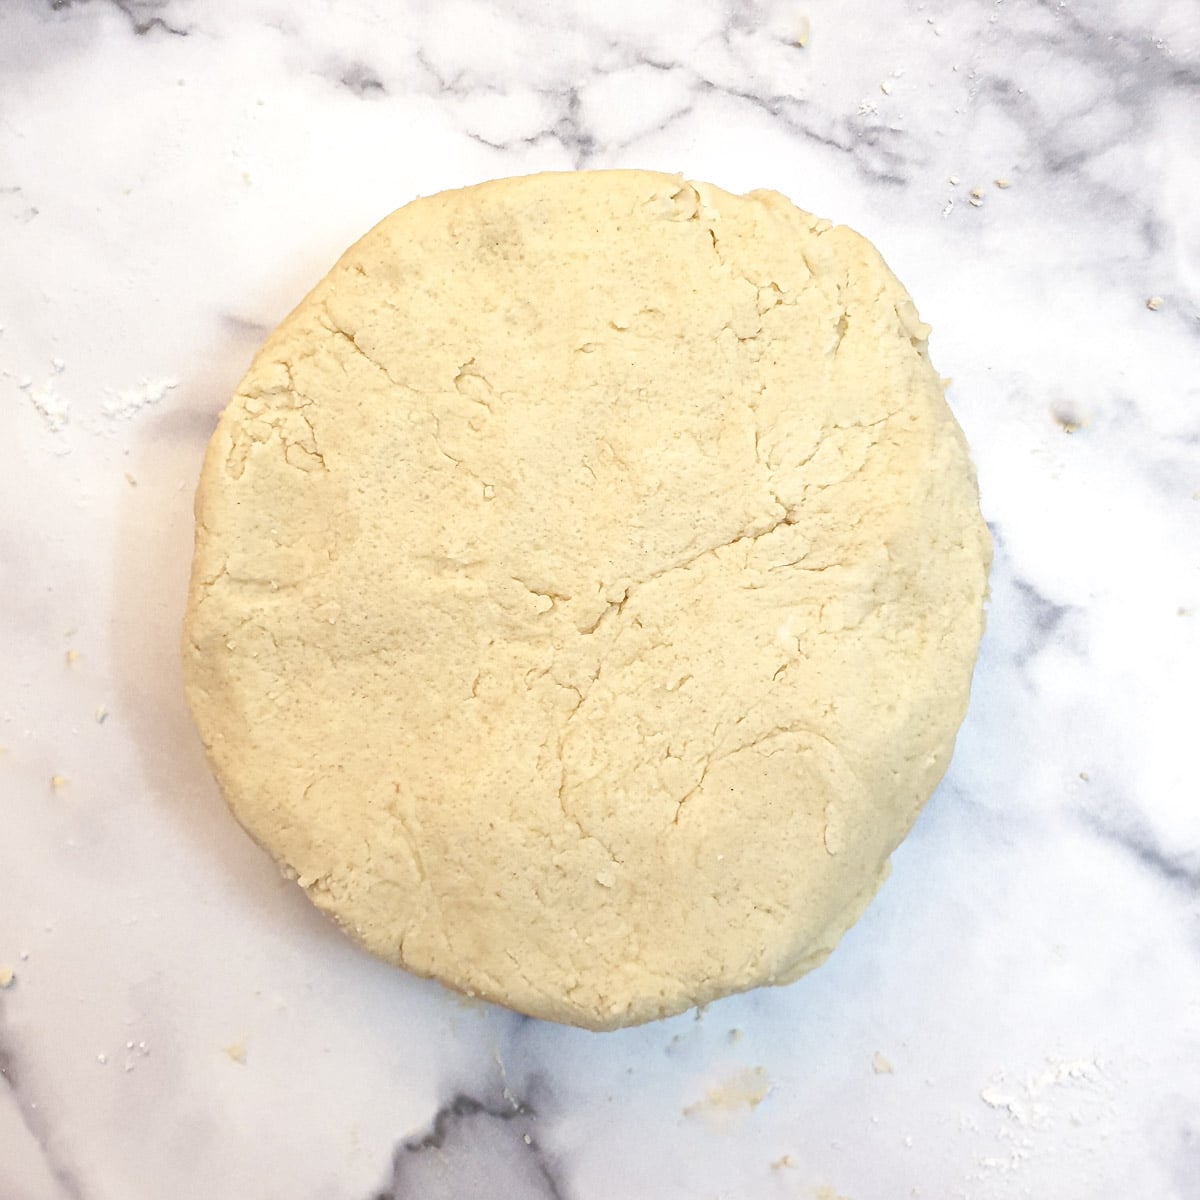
783	1161
803	32
1154	303
101	715
640	728
57	782
72	657
881	1064
1003	183
744	1089
7	975
236	1052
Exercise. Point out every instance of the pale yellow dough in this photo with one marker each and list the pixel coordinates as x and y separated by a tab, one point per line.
588	579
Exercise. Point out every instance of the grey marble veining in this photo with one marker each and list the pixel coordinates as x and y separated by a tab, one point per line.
174	174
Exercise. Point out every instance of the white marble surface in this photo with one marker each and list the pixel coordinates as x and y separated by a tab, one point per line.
175	174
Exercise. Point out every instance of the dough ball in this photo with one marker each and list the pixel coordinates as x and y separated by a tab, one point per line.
587	583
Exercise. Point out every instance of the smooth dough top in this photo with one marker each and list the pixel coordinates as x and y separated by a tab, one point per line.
588	578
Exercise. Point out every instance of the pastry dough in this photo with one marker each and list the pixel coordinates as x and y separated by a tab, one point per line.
588	578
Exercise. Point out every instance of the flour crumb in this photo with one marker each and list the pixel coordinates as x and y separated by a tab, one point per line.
57	783
1069	422
803	32
131	479
102	1059
129	402
54	409
134	1051
7	976
953	181
881	1064
780	1163
1154	303
72	657
1002	183
885	87
101	715
236	1052
995	1098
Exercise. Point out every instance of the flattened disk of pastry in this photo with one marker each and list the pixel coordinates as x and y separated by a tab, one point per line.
588	578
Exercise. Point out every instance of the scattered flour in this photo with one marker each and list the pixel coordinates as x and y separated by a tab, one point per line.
53	408
1072	1090
127	403
56	412
1036	1100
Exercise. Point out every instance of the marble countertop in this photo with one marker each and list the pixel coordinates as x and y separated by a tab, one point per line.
1018	1014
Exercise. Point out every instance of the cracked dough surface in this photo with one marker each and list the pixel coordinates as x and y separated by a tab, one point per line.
588	578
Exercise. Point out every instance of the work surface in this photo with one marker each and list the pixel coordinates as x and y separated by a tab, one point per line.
1018	1013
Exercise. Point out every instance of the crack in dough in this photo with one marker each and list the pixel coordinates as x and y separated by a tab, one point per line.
588	577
